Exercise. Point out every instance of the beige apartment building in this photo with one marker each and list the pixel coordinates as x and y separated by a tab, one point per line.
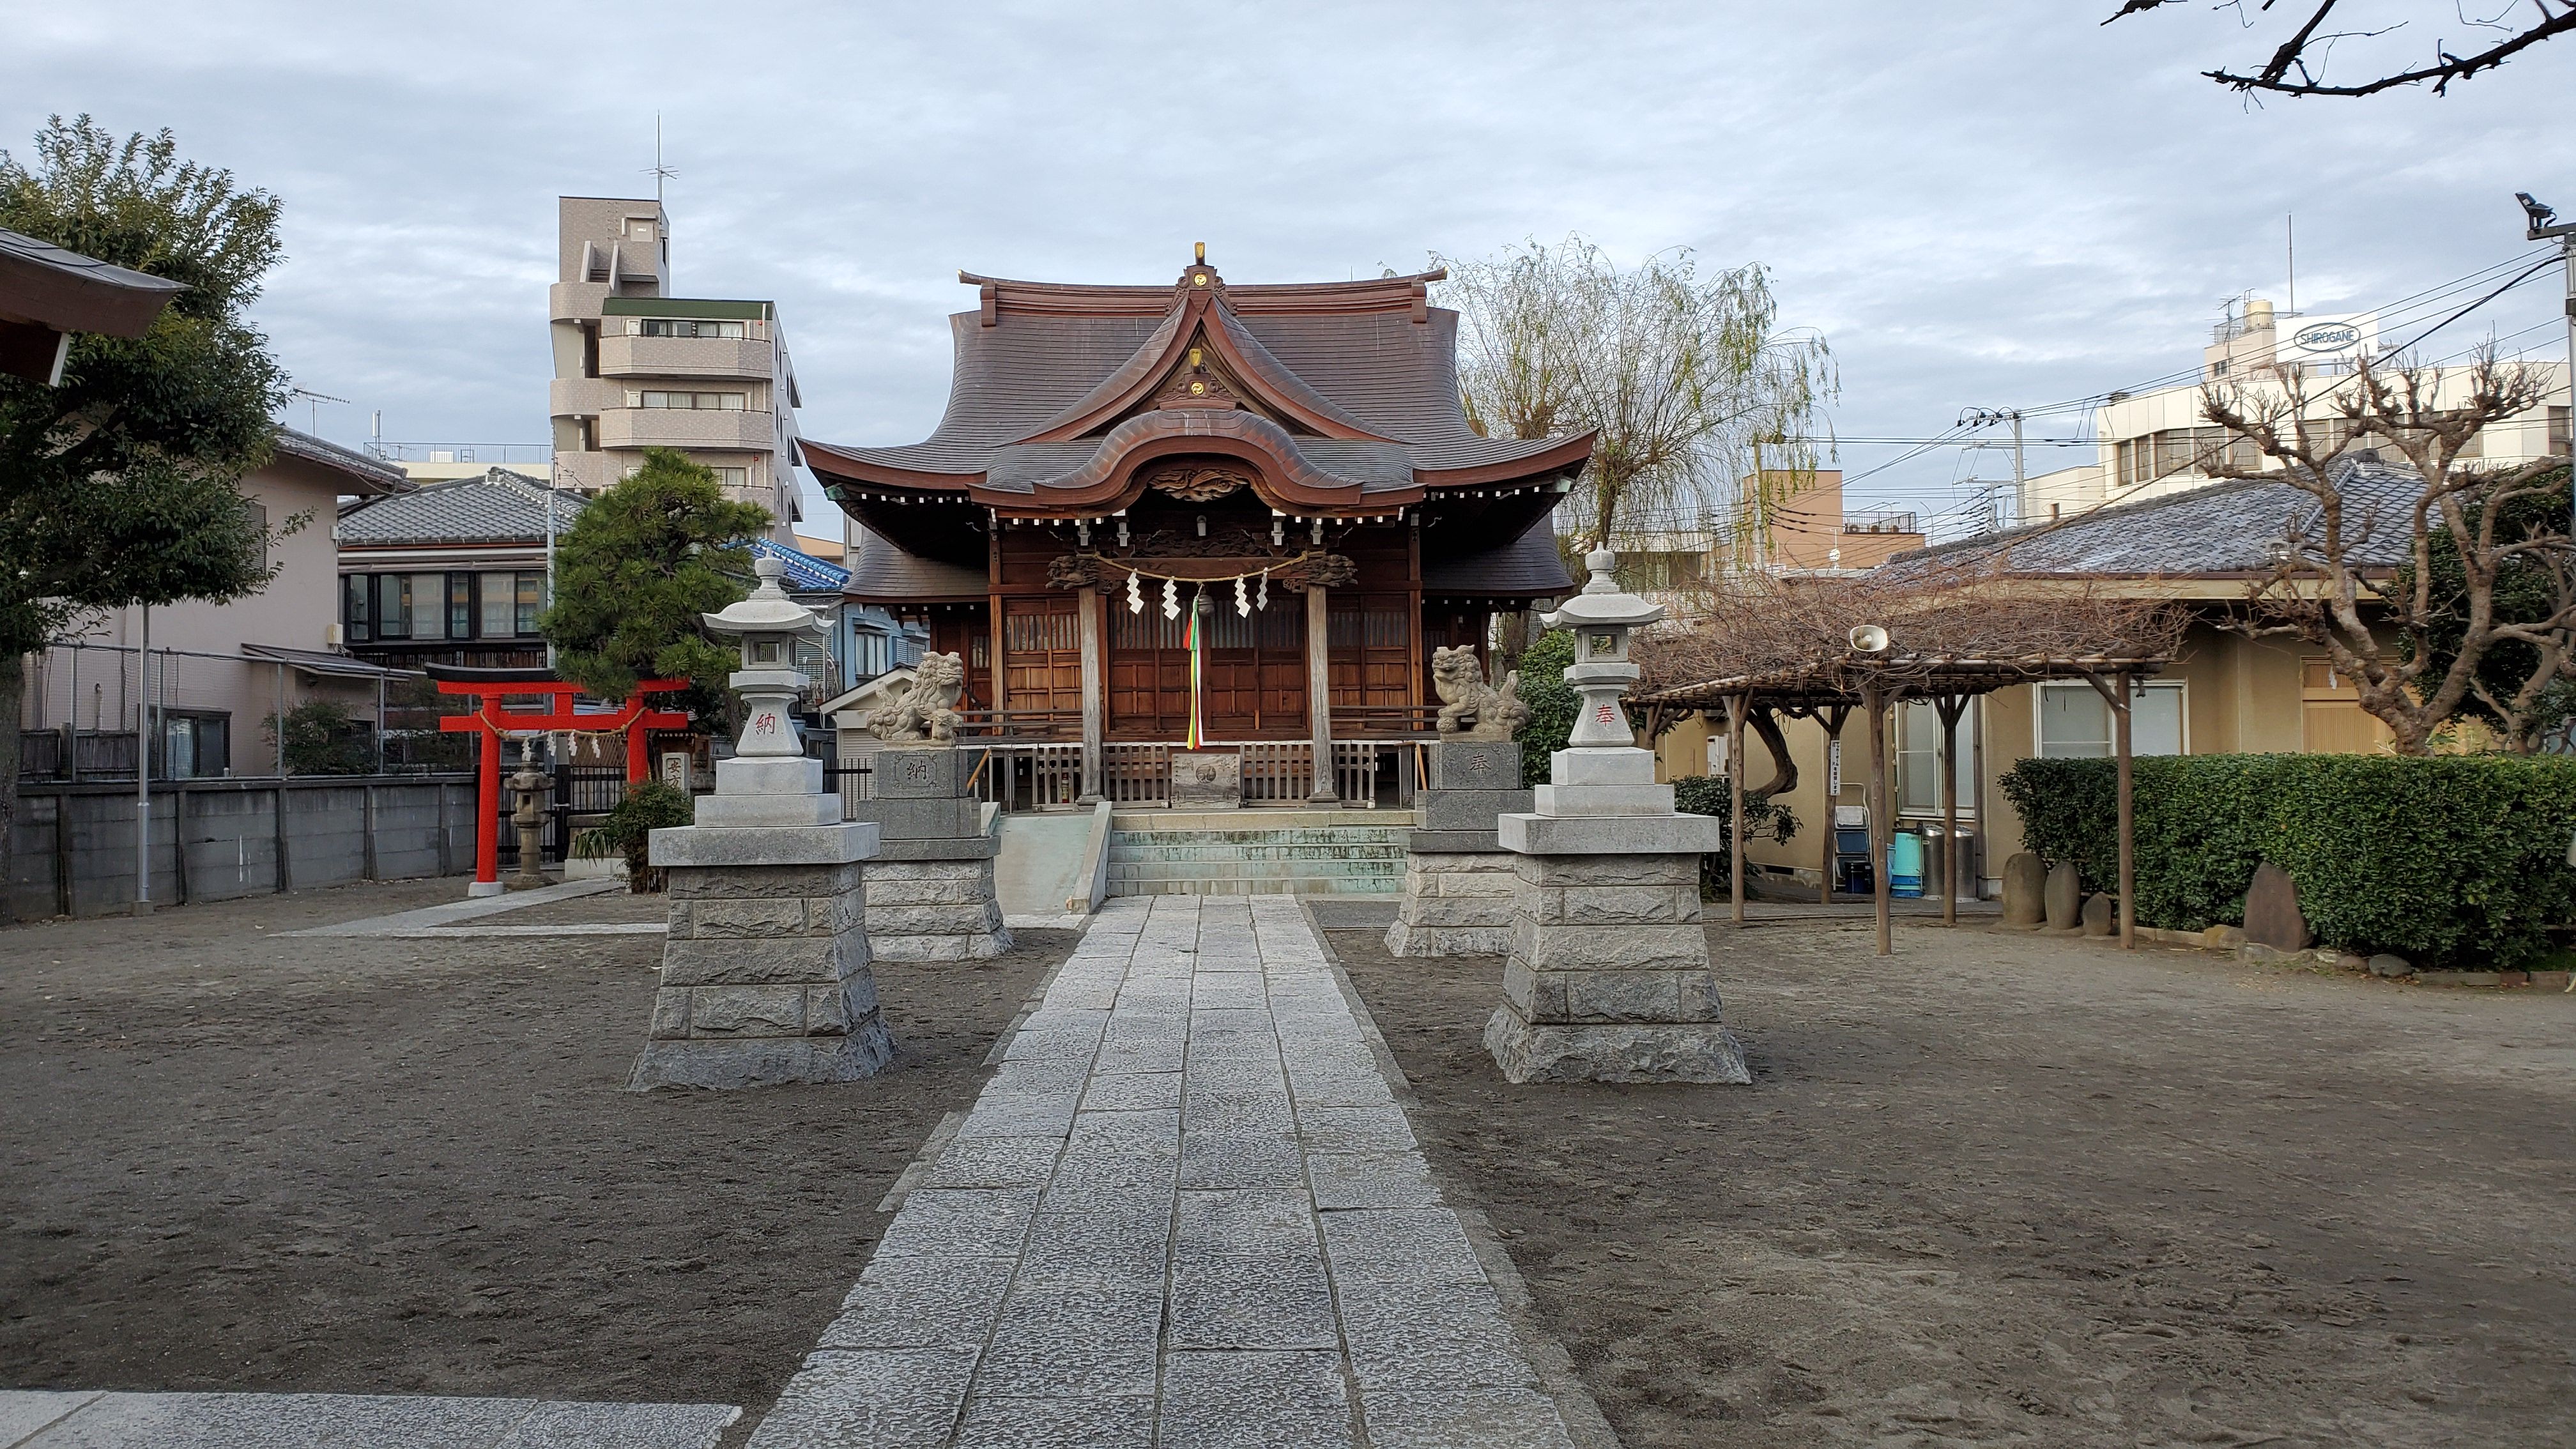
637	367
2159	442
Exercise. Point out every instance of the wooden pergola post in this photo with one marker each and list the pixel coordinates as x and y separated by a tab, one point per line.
1831	717
2116	694
1951	707
1319	698
1736	705
1874	703
2128	821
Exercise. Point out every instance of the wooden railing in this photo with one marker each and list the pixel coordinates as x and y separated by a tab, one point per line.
1402	721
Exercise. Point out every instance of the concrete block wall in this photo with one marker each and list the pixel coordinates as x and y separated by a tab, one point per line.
72	846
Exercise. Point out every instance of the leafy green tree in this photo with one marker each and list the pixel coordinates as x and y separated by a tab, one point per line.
635	571
118	487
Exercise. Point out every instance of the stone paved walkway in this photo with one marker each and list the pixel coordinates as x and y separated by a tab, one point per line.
36	1419
1187	1211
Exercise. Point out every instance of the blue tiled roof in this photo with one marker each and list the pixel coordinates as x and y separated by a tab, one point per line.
805	572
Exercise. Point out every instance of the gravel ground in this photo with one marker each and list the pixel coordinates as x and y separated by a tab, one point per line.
234	1161
2000	1190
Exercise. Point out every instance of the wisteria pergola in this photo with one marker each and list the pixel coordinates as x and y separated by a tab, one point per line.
1764	646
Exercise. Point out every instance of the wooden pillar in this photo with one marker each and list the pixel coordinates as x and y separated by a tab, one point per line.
1950	706
1735	709
2128	821
1095	693
1831	717
1874	704
1319	697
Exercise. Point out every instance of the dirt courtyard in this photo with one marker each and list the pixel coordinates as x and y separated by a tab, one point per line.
236	1161
2000	1190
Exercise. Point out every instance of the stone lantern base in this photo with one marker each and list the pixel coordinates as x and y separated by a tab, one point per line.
1609	978
766	973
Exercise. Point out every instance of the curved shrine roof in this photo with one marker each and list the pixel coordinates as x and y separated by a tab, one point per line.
1344	392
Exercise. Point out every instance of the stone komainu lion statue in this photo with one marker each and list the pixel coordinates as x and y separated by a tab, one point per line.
1469	707
926	713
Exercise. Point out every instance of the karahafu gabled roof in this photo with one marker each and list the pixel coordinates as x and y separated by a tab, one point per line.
1345	392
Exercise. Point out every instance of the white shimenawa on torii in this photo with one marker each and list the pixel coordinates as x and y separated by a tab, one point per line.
1609	975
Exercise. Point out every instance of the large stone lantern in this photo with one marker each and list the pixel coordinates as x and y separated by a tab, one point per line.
765	970
1609	977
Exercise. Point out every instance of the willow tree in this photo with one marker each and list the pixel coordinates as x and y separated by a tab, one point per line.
1700	402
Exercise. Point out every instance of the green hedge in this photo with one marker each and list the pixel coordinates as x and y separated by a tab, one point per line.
1706	795
1552	703
2447	861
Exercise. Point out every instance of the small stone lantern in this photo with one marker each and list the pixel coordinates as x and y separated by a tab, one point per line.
768	624
1602	617
769	781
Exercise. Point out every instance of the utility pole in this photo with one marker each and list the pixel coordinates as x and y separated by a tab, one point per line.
2545	226
1987	418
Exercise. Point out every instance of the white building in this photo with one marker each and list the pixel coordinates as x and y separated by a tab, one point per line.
638	368
2159	442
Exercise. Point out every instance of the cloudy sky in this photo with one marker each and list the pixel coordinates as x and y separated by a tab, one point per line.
1997	205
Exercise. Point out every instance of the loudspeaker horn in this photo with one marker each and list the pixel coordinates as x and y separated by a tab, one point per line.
1869	639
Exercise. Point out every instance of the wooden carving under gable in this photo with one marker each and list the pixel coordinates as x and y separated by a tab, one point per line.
1195	482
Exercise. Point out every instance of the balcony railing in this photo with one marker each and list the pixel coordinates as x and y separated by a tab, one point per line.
688	428
692	357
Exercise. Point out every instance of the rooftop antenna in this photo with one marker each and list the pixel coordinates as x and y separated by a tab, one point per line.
2290	232
313	402
659	172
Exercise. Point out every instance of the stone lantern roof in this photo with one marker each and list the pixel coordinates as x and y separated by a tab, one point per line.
767	609
1602	601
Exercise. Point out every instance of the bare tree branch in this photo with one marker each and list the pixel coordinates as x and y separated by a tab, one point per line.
2297	66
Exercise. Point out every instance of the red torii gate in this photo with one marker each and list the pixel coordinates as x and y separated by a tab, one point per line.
489	722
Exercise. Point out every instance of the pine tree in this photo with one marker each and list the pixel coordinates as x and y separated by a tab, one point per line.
634	572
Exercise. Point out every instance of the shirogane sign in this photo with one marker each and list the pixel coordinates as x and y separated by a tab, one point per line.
2318	341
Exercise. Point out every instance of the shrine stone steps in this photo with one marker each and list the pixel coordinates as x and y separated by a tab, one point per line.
1359	853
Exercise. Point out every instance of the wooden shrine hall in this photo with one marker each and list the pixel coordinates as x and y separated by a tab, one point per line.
1259	507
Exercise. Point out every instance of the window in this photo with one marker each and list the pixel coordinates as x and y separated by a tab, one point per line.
727	402
428	605
1918	758
356	613
685	327
2074	723
196	746
393	606
2557	431
256	514
460	606
500	619
733	477
531	603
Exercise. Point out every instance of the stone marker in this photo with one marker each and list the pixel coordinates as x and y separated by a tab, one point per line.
2064	896
1206	780
930	887
2393	966
2272	911
2224	938
1608	978
2097	914
1458	880
2025	881
765	972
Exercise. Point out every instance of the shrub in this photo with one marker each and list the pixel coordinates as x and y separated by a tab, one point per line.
2444	860
323	738
628	829
1552	703
1706	795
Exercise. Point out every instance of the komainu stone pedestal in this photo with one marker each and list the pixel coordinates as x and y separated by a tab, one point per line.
765	974
1457	879
1609	977
930	889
